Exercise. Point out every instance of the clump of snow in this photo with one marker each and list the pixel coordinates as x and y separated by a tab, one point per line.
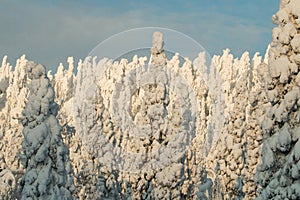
295	43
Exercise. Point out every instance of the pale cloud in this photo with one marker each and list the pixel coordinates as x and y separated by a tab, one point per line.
50	33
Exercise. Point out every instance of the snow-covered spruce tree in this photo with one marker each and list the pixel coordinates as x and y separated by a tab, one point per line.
227	158
44	154
278	175
14	96
63	84
232	161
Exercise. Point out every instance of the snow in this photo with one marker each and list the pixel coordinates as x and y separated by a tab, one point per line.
295	43
280	68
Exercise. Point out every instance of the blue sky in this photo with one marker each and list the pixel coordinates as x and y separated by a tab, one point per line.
51	30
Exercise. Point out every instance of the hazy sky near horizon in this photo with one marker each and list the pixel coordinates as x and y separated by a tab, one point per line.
51	30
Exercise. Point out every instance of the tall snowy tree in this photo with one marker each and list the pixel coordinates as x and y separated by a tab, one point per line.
44	154
278	175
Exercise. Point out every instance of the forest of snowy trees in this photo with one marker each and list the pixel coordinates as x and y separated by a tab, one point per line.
156	128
